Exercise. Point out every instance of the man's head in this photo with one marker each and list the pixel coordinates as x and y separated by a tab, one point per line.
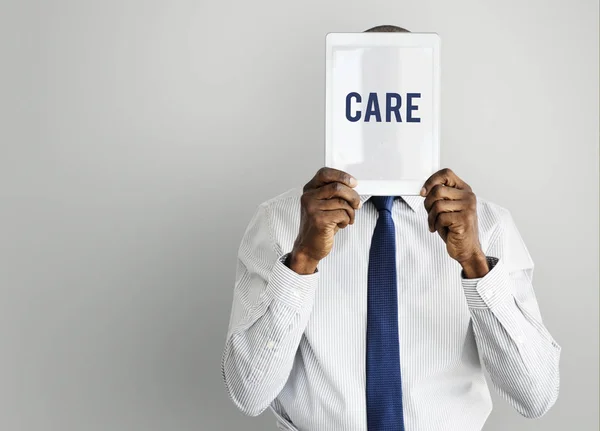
387	29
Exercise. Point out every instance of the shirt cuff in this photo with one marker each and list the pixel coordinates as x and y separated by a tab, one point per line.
490	290
289	287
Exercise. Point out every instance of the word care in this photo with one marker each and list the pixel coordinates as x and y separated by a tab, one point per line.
372	109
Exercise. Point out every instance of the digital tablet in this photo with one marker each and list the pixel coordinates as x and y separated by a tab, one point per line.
382	109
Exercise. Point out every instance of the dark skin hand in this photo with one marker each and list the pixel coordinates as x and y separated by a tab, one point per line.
329	202
327	205
452	209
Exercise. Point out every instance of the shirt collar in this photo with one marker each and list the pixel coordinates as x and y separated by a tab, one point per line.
414	202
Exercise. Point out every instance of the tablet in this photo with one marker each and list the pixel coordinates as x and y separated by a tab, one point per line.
382	109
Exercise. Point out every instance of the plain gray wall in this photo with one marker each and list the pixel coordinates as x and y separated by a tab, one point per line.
137	138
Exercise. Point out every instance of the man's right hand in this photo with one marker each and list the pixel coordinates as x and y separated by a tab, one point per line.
327	205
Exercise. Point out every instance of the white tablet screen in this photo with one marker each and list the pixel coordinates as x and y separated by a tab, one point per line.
382	124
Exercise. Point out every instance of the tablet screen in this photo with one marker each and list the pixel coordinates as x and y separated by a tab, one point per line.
382	125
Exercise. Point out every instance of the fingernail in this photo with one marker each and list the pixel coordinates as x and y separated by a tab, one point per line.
353	181
359	204
423	191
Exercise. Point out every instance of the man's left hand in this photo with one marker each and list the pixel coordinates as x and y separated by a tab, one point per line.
452	208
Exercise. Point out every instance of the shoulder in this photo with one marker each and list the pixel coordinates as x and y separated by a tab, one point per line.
283	215
493	220
491	214
499	232
283	203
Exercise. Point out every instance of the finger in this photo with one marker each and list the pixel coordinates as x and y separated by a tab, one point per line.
443	192
337	217
444	206
446	177
329	175
446	220
339	190
335	204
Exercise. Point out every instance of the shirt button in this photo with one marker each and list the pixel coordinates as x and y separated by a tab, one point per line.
296	293
270	344
520	339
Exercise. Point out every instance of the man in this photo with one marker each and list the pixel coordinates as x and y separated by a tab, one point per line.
378	313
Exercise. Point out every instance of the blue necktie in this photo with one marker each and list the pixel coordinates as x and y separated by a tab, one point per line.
384	385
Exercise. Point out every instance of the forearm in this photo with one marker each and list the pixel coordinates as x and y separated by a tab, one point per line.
524	368
518	351
260	350
300	263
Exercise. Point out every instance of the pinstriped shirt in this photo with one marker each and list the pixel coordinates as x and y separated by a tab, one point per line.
296	344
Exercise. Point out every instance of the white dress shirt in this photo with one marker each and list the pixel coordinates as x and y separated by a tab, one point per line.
297	343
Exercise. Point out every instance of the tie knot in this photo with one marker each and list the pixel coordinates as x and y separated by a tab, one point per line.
383	202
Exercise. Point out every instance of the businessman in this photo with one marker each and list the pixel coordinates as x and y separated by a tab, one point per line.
380	313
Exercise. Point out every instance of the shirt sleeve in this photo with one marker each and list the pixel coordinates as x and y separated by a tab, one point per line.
519	353
270	310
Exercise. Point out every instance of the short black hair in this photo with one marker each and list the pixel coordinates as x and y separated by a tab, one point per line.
387	29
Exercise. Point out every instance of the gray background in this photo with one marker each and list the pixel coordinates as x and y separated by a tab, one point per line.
137	138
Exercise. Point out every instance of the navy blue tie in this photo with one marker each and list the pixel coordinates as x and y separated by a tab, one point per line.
384	384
